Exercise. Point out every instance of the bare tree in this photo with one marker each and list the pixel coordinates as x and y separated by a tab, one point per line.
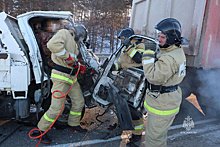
103	19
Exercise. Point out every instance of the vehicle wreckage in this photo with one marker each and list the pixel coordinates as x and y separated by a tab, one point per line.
25	79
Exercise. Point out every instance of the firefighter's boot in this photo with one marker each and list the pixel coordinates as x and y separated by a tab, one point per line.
78	129
135	138
45	138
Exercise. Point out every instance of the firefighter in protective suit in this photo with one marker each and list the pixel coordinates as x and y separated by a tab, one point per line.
131	56
164	73
63	46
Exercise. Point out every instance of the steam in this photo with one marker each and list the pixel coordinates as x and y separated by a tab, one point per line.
210	86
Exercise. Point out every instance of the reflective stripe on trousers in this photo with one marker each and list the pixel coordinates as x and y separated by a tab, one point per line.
159	112
62	78
139	127
47	118
52	120
75	113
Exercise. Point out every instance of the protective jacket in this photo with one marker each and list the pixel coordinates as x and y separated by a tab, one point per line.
168	71
62	45
131	56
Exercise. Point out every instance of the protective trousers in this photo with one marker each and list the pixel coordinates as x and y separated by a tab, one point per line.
77	100
138	125
156	130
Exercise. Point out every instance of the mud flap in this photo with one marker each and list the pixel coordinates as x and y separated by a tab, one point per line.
123	111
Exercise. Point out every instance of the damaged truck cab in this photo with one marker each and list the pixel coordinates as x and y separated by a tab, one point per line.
22	63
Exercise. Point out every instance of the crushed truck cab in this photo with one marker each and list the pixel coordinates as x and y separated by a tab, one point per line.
21	62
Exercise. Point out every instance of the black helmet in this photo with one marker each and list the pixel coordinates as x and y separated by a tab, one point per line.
172	29
80	32
127	32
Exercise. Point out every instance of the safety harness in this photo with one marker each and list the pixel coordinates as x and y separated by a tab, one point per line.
65	69
159	89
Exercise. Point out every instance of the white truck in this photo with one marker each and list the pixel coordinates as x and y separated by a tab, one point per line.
21	78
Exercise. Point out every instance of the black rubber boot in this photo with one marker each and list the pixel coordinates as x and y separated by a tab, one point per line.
112	127
135	138
78	129
45	138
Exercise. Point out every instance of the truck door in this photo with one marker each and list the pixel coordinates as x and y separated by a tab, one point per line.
14	69
34	53
30	37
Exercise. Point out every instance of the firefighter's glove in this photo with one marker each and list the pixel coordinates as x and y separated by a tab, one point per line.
81	67
149	53
70	61
150	46
126	42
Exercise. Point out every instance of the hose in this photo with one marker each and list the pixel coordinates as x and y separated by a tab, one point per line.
63	96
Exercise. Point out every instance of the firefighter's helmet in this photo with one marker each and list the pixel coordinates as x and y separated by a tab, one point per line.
80	32
172	29
127	32
67	24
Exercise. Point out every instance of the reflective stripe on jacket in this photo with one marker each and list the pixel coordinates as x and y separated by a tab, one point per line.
130	56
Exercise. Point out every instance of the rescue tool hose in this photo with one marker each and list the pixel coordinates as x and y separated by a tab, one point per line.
63	96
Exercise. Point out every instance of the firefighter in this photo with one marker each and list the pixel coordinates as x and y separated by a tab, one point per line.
131	56
132	53
164	73
63	46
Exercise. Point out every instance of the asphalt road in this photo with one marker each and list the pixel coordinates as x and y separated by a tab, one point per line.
205	132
